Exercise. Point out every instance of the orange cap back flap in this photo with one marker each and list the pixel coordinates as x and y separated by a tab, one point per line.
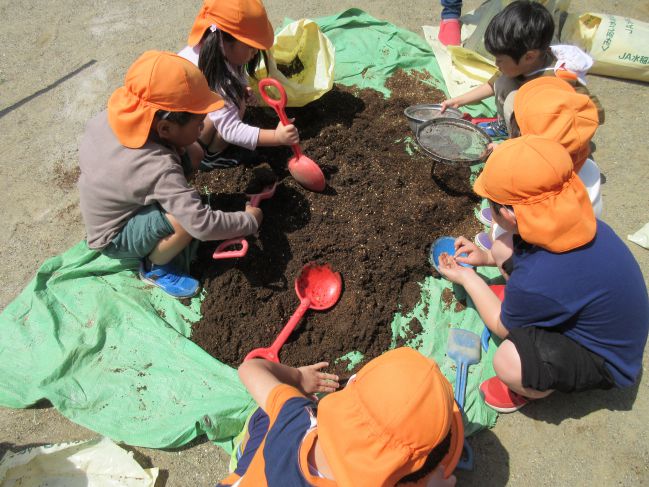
535	176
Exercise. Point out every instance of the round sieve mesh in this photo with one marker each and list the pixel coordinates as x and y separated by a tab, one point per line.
453	140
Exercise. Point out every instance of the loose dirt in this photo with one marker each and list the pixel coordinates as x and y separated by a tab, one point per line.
384	204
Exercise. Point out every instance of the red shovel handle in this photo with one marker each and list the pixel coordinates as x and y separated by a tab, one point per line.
481	120
255	200
272	353
221	253
498	290
278	105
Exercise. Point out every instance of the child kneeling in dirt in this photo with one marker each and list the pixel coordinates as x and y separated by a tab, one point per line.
134	195
575	315
395	422
519	38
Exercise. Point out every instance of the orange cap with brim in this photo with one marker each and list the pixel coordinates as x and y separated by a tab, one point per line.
535	176
550	107
246	20
382	426
157	81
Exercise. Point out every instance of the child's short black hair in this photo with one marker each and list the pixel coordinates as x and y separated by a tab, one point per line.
181	118
436	455
522	26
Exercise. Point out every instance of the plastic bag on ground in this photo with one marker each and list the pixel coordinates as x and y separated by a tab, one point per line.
94	463
641	237
302	60
619	45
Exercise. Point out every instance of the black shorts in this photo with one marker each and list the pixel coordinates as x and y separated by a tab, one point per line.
552	361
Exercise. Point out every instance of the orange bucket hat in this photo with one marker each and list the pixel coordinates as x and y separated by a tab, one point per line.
550	107
157	81
383	425
535	176
246	20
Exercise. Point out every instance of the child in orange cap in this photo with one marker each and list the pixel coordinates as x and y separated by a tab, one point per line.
395	422
134	196
226	43
575	314
519	38
551	108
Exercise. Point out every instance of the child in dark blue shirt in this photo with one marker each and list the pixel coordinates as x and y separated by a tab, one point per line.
576	313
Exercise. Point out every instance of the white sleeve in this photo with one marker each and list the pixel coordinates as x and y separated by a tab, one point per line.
232	129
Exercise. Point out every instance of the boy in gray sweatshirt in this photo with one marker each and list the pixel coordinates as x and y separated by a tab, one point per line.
134	196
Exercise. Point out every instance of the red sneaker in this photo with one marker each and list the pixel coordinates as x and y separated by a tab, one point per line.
449	32
500	397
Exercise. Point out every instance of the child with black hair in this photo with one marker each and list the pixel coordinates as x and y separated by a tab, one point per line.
519	38
226	42
395	423
134	195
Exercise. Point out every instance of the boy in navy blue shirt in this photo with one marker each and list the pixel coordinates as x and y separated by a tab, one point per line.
576	313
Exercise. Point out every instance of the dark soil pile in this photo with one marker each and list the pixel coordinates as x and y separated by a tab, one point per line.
374	223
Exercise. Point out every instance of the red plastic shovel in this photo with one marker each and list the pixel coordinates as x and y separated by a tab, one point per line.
304	170
318	287
220	252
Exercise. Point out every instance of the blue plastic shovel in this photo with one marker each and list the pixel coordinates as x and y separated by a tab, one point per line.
464	349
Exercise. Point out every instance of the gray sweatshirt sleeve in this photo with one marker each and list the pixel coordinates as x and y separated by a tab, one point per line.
175	196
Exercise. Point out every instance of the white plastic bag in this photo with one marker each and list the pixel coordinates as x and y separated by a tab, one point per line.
94	463
641	237
302	60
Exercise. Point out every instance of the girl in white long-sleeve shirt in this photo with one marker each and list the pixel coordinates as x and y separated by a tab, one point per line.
226	43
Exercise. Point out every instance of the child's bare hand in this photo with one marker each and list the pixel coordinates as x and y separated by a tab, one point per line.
287	134
475	255
438	480
315	381
256	213
451	270
451	102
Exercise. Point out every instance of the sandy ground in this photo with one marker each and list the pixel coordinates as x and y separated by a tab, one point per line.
585	439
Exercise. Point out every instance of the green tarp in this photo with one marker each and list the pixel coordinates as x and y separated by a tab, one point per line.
369	51
113	354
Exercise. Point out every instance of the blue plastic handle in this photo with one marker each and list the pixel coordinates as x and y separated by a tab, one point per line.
484	339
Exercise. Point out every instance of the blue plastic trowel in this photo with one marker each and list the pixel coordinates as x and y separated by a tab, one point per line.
464	349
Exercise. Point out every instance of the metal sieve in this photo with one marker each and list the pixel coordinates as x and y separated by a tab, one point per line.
453	141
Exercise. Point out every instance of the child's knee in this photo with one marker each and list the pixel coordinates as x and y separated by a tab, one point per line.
507	363
196	154
502	248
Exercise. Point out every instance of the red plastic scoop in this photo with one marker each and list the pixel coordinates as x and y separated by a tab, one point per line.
318	287
304	170
221	252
